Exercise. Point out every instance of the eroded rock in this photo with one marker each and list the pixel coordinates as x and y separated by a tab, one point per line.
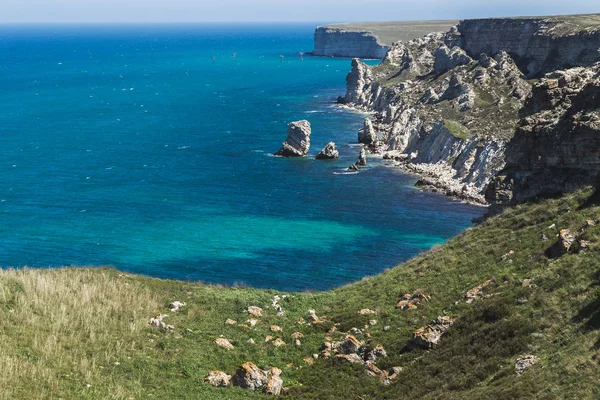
297	143
329	152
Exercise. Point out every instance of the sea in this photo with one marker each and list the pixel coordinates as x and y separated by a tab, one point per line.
150	148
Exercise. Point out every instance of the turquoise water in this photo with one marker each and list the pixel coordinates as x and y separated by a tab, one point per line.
128	146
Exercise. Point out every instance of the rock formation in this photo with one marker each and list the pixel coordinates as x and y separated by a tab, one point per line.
367	134
339	42
430	335
555	147
329	152
458	107
540	44
297	143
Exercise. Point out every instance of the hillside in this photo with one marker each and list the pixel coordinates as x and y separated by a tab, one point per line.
84	333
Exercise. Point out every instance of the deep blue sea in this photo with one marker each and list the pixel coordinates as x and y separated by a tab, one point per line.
128	146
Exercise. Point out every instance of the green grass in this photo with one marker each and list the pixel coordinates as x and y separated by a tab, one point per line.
457	129
65	329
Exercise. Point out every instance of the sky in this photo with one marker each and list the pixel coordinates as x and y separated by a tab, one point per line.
144	11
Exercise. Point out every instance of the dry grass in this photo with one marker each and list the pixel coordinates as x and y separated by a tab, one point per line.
62	327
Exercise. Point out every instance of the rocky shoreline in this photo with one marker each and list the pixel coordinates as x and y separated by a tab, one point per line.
455	118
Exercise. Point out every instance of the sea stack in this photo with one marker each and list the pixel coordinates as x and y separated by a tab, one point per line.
362	161
329	152
297	143
367	134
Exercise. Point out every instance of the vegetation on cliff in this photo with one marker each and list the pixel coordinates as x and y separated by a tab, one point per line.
84	333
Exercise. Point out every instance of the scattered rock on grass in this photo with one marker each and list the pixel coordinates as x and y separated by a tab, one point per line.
525	362
157	322
255	311
275	328
218	379
275	383
430	335
366	311
176	305
477	291
297	336
410	301
224	343
278	342
230	322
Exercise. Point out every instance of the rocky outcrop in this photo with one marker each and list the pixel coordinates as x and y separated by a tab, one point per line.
249	376
555	148
539	44
430	335
339	42
458	107
329	152
297	143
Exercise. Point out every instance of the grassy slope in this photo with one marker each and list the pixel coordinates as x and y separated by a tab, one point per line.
65	329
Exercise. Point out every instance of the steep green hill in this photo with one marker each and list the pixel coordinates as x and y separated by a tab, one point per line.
84	333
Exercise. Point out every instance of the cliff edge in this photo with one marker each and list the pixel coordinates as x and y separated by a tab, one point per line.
370	40
513	97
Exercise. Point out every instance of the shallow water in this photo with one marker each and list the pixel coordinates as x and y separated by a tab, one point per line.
129	146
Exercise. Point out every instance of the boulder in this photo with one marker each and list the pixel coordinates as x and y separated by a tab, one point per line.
524	363
350	345
297	143
224	343
249	376
158	322
278	342
218	379
230	322
275	383
176	305
367	134
329	152
255	311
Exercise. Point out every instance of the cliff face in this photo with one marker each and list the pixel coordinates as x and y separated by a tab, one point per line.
440	113
556	147
337	42
458	108
537	45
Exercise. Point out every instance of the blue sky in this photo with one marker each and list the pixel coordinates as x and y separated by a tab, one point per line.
278	10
